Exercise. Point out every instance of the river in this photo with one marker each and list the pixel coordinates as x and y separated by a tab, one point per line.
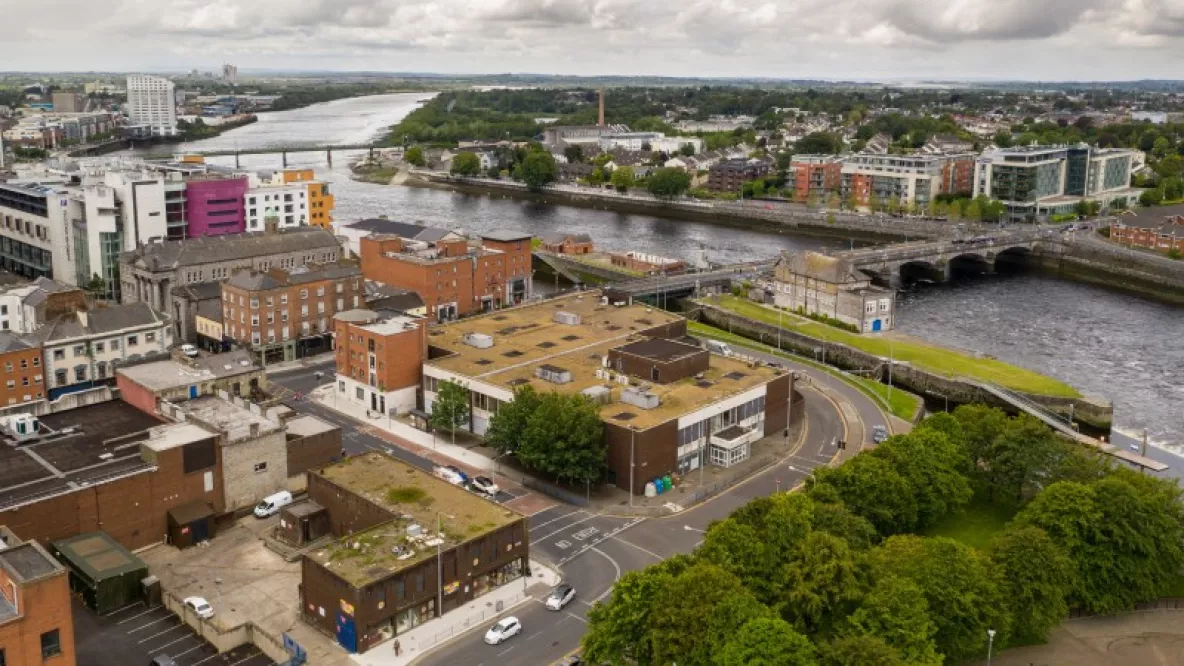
1109	344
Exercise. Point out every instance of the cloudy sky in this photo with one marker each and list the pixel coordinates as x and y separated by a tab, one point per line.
1018	39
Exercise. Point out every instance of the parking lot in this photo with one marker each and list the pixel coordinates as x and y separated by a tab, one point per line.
134	635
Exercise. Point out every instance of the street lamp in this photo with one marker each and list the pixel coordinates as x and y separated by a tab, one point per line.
493	464
440	563
990	644
632	441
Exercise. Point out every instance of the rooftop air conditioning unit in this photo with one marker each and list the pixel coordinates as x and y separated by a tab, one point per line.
567	318
639	398
553	374
478	340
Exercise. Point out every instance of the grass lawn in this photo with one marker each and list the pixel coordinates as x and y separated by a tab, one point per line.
928	357
903	404
976	524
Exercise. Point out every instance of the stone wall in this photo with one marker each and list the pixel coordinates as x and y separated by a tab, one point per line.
1100	262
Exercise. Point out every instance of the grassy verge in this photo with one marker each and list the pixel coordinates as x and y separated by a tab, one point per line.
975	525
376	175
925	356
902	404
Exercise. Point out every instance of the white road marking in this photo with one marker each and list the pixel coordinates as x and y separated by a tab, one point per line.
563	545
644	550
247	658
584	533
129	619
125	608
199	646
145	626
161	633
602	537
555	519
616	577
581	520
156	649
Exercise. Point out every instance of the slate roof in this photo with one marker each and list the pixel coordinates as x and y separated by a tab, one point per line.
170	255
399	302
250	280
401	229
199	291
818	266
99	321
505	236
43	288
10	342
1162	218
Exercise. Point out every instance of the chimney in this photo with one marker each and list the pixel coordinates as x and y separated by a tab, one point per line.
600	118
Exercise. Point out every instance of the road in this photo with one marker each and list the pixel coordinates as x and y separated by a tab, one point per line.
592	550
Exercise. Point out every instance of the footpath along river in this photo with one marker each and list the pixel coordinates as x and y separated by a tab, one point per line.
1110	344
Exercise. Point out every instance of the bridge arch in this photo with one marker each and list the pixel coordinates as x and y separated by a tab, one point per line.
911	272
1014	258
970	264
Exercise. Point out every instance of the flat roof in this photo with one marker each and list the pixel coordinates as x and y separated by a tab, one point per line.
164	375
516	355
306	425
28	562
227	416
416	497
171	436
98	556
660	349
393	325
104	443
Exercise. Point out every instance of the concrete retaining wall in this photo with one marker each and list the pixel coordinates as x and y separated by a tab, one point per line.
1099	262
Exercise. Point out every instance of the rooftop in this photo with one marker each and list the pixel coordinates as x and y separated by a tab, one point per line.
306	425
416	497
102	443
660	349
275	278
166	437
170	255
10	342
229	417
1162	218
526	338
505	236
27	562
402	229
164	375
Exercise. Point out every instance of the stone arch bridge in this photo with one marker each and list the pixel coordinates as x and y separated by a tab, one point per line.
939	260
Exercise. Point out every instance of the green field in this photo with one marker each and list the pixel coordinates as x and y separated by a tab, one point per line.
975	525
902	404
925	356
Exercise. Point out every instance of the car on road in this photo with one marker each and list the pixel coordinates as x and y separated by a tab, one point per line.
879	434
484	485
560	597
189	350
162	660
200	606
503	630
451	474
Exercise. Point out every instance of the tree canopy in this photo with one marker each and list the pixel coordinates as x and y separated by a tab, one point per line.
450	410
557	434
466	164
537	170
414	156
668	182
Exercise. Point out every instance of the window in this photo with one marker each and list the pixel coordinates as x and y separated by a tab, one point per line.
24	381
270	301
114	345
340	304
11	384
254	303
59	354
80	350
321	307
283	299
98	348
340	287
25	363
304	310
8	367
149	337
260	467
80	373
303	294
320	291
133	340
51	644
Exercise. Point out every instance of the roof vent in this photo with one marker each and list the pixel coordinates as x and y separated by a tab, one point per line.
553	374
478	340
567	318
639	398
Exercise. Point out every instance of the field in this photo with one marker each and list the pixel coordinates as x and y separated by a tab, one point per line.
975	525
921	355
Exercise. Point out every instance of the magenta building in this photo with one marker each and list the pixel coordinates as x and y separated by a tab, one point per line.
215	206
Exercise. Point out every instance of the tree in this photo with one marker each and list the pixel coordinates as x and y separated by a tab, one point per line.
97	286
596	178
618	632
767	641
574	153
1037	577
564	437
738	548
932	465
1161	146
896	612
836	519
537	170
450	410
466	164
873	489
859	650
694	616
507	426
819	143
821	584
980	426
414	156
668	182
687	149
1152	197
961	586
623	178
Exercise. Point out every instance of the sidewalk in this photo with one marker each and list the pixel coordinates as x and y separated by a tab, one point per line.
478	614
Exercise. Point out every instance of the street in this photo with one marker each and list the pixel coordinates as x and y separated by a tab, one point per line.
592	550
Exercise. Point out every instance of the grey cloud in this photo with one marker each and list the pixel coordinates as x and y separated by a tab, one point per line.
953	21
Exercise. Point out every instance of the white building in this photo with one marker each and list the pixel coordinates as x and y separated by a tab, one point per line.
288	204
657	141
1035	181
151	103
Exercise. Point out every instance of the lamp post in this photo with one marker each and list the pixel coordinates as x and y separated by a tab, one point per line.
632	441
990	644
440	564
891	362
493	464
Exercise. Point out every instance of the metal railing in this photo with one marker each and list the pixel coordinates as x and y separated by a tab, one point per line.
469	622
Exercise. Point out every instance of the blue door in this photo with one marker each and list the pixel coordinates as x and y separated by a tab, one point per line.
347	633
877	325
193	392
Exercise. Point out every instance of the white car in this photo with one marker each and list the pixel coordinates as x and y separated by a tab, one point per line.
450	474
200	606
560	597
509	626
189	350
484	485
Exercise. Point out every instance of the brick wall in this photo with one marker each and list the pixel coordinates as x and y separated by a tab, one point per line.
245	484
312	452
20	376
45	606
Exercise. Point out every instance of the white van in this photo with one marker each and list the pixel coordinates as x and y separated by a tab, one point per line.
717	347
272	504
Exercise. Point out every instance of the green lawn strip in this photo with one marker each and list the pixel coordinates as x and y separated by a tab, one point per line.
903	404
976	524
928	357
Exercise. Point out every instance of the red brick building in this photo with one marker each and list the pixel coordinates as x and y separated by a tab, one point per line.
380	359
1160	229
957	174
815	176
453	277
560	243
36	620
22	379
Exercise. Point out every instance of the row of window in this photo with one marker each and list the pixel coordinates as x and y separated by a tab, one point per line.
24	382
101	346
24	364
713	424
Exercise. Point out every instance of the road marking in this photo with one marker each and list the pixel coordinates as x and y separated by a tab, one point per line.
644	550
505	651
161	633
616	576
247	658
129	619
199	646
571	614
145	626
581	520
207	659
584	533
555	519
563	545
603	537
116	612
187	636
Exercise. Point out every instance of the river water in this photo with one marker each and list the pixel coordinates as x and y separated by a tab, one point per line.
1109	344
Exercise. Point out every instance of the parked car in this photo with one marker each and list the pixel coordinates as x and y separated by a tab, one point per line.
451	474
506	628
560	597
162	660
200	606
717	347
879	434
189	350
484	485
272	504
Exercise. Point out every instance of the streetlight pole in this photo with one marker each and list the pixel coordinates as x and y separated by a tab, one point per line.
632	438
440	564
494	465
990	644
891	362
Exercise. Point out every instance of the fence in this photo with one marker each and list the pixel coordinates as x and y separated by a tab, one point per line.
469	622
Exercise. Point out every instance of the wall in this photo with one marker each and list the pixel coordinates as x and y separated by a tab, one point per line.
244	487
654	453
27	381
305	453
45	606
212	219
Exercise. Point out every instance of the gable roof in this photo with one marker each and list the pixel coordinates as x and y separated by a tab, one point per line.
835	270
9	342
170	255
401	229
98	321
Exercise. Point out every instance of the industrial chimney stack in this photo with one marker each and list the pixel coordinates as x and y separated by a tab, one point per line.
600	118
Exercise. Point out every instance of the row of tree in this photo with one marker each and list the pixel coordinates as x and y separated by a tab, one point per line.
840	575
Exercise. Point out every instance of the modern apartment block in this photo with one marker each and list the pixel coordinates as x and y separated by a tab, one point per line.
815	177
730	175
286	314
36	618
910	180
379	359
453	275
34	220
668	407
151	104
1036	181
214	205
283	205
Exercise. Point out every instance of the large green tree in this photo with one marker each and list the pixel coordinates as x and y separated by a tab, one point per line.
509	423
414	156
859	650
450	409
820	584
873	489
466	164
623	178
538	170
694	616
668	182
564	438
1037	577
896	612
932	465
767	641
618	631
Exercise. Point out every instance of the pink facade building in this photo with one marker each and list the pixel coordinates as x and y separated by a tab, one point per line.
215	206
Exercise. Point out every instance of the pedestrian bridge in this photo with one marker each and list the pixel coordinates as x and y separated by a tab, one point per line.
939	260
